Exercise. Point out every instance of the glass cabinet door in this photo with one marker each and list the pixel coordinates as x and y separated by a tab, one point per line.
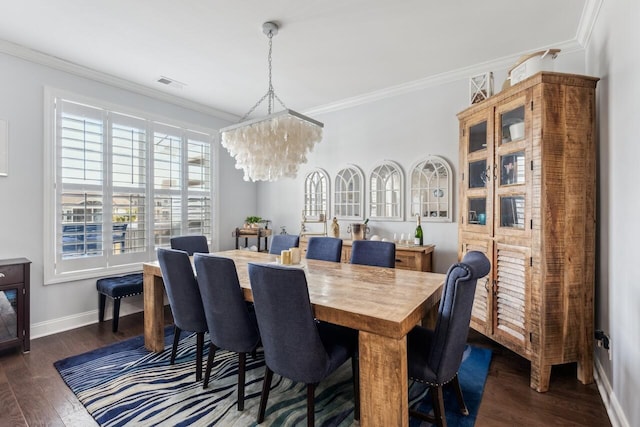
477	172
9	314
512	167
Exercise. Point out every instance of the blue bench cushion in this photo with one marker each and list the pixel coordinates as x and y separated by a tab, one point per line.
119	287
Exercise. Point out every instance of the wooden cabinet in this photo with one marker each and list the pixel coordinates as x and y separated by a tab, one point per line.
527	198
417	258
14	303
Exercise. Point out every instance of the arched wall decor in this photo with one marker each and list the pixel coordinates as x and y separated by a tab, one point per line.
386	192
348	200
316	194
431	192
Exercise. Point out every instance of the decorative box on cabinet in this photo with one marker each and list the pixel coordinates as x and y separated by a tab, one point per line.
527	195
417	258
14	303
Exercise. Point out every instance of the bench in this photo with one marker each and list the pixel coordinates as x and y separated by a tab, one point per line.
117	288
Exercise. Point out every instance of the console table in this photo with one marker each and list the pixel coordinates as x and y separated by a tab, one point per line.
417	258
256	233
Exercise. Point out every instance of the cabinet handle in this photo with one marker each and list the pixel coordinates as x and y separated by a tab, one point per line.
2	275
495	172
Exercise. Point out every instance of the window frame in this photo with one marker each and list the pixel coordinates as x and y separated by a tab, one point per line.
127	262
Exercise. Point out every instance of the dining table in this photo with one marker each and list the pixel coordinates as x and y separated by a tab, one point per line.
383	304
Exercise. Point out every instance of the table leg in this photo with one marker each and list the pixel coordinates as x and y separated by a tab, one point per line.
384	386
153	311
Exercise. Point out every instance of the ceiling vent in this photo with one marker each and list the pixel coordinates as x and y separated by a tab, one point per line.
171	82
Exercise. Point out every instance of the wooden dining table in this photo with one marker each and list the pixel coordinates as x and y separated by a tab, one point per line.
383	304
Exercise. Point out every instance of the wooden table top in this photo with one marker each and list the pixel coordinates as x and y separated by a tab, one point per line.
384	301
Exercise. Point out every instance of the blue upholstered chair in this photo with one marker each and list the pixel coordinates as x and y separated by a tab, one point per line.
184	299
324	248
373	252
434	356
232	326
190	244
282	242
295	345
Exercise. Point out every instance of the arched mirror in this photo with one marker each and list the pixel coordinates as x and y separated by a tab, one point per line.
386	189
348	201
431	190
316	195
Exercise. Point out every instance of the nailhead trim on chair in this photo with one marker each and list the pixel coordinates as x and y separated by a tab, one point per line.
117	288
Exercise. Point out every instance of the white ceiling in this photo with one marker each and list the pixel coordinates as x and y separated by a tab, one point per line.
326	51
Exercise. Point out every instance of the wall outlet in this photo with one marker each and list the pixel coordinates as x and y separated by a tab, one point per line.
603	340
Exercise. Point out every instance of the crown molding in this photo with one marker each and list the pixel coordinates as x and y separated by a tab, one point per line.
503	63
59	64
588	21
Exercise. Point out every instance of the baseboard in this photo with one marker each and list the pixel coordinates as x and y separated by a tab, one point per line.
66	323
611	404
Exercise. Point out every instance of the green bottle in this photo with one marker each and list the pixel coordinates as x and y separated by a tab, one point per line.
417	238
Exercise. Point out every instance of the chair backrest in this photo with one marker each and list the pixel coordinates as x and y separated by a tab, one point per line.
190	244
324	248
282	242
182	290
230	325
290	337
454	314
373	252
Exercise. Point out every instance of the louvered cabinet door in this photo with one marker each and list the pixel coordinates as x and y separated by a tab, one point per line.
481	314
511	295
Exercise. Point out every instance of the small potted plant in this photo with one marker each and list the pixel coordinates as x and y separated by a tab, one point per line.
252	222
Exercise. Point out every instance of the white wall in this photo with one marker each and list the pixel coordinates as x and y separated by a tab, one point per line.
63	306
404	128
613	54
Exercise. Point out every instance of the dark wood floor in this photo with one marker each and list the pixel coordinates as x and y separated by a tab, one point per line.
33	394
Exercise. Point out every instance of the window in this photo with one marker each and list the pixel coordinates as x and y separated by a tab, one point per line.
386	189
349	193
124	185
431	190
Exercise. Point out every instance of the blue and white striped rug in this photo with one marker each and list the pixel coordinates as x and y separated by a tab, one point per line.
125	385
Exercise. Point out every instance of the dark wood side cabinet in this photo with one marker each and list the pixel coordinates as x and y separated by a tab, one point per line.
14	303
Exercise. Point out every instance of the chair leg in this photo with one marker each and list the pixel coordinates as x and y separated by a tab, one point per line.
102	301
455	383
266	386
437	399
174	348
355	368
311	407
207	372
116	314
199	352
242	363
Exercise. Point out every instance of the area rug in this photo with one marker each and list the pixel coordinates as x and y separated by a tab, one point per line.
123	384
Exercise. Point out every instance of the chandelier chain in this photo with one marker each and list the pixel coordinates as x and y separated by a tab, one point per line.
270	96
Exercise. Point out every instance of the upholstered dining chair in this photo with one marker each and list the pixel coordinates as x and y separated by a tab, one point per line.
324	248
184	300
434	356
373	252
190	244
282	242
295	345
232	326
